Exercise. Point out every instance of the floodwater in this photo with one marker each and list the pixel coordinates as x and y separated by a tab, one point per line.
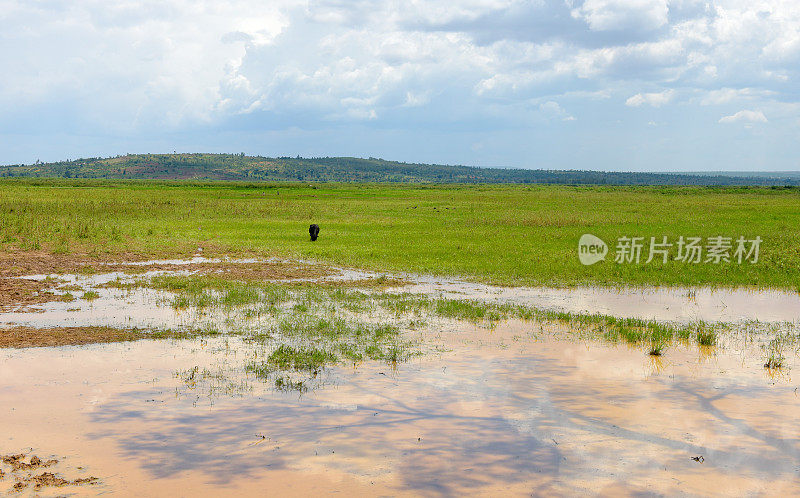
141	308
676	304
524	408
513	411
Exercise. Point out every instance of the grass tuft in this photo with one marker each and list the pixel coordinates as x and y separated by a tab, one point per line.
707	338
90	295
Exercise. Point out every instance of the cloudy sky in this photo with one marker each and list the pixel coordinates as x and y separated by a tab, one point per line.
670	85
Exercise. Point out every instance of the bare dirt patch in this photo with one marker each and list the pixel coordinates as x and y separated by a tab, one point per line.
19	294
28	337
17	462
251	271
50	479
22	472
362	283
17	264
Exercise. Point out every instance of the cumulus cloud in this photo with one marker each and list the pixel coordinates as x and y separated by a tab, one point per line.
127	64
728	95
745	116
552	110
605	15
168	63
653	99
152	66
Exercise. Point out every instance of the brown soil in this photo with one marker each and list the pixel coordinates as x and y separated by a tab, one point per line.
21	263
18	463
17	264
50	479
365	283
18	294
27	337
232	271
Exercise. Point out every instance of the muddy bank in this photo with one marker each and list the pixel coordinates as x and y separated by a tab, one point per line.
232	269
32	280
21	263
41	263
26	472
28	337
21	294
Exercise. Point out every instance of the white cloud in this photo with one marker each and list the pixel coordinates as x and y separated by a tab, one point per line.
605	15
128	64
653	99
745	116
552	110
728	95
417	99
175	62
151	66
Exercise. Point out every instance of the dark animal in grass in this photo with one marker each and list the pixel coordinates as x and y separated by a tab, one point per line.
313	230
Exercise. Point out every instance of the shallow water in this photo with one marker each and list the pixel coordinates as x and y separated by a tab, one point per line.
525	408
142	307
513	411
674	304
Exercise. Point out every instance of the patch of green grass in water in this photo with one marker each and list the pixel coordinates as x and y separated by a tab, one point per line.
657	347
775	347
314	319
286	384
240	296
707	338
301	359
90	295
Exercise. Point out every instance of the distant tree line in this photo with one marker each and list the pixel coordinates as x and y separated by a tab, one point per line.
350	169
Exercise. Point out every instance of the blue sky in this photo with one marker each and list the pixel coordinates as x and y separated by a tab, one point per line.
642	85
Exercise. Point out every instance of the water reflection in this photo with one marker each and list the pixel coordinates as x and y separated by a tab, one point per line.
548	417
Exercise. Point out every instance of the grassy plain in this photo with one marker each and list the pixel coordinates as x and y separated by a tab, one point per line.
509	234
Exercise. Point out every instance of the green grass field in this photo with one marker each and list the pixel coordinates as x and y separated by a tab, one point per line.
517	235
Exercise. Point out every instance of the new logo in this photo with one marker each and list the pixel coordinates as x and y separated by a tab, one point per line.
591	249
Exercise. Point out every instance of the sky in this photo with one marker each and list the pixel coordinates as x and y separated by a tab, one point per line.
616	85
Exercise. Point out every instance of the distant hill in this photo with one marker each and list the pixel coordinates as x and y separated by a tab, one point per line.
349	169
